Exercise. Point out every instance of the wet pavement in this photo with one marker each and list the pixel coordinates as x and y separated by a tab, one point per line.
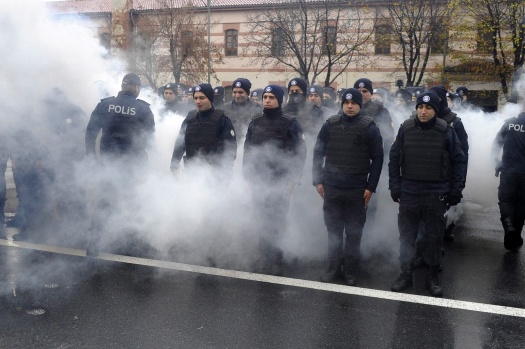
54	297
62	299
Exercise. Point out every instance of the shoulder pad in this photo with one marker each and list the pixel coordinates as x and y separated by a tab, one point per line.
441	125
142	101
192	114
217	114
103	99
366	120
513	119
257	116
409	123
335	119
289	117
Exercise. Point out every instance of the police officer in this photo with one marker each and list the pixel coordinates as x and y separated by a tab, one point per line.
402	98
274	156
329	98
256	96
426	171
218	99
511	191
463	93
241	109
127	126
187	103
351	148
455	122
376	110
206	133
315	113
297	90
65	125
170	98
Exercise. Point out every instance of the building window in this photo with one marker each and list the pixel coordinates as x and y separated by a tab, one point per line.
329	40
383	39
438	39
187	41
278	42
484	40
230	39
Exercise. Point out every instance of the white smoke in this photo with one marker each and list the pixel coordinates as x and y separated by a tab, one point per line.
193	216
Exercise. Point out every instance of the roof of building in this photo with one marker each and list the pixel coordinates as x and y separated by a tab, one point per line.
80	6
104	6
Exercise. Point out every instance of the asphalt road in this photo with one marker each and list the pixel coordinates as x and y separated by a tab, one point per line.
54	296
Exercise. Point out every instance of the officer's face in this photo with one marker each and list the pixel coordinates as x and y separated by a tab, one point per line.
239	95
256	99
314	98
169	96
270	101
295	89
201	101
425	112
351	108
367	96
400	101
326	96
450	102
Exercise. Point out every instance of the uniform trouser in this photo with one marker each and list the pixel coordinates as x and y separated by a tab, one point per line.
31	192
429	209
344	212
511	196
3	188
270	204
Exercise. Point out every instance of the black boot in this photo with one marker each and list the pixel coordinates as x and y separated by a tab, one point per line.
512	240
432	282
351	270
334	272
405	280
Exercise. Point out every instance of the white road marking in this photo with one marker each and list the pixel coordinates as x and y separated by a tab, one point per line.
314	285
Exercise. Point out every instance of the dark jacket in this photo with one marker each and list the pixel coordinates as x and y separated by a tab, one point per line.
225	135
241	115
511	138
274	153
126	122
383	120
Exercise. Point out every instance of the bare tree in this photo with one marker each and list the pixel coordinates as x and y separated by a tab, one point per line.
311	38
173	39
499	26
418	27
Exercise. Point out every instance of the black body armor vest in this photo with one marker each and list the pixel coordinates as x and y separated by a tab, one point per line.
423	155
266	130
201	136
346	151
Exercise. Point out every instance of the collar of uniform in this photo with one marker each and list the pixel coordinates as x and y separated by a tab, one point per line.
273	113
426	125
127	93
350	119
207	113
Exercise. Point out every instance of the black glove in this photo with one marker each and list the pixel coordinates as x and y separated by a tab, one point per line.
395	194
453	199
